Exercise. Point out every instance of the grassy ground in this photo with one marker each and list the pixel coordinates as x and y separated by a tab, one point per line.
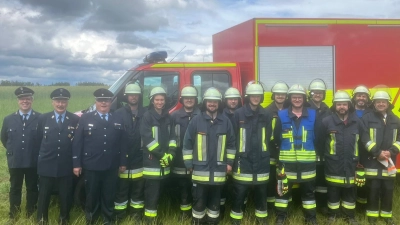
169	209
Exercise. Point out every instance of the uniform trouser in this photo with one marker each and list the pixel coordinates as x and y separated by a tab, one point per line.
100	187
362	193
17	176
206	203
185	192
380	191
341	196
307	197
271	193
152	191
46	187
240	192
130	192
320	187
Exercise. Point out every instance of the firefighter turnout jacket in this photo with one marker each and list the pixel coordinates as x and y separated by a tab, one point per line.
384	134
252	157
134	168
157	140
180	121
341	140
322	112
208	146
296	138
273	146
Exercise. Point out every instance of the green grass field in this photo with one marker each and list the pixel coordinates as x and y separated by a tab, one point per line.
81	98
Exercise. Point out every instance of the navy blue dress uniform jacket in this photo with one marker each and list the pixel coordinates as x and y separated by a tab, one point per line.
20	140
99	144
55	154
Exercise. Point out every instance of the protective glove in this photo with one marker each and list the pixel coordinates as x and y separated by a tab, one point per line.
166	160
360	176
282	182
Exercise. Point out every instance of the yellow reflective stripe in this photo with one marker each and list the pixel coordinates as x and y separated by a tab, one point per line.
348	205
123	175
386	214
264	146
372	134
219	179
221	147
200	178
273	124
338	179
397	145
304	135
243	177
137	205
332	144
356	145
199	147
136	175
371	172
172	143
308	175
186	207
335	205
235	215
309	204
187	157
192	65
150	213
242	140
261	214
178	135
372	213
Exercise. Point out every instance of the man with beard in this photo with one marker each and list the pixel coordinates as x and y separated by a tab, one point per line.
131	182
295	133
100	148
340	134
208	151
251	167
158	152
279	91
180	120
232	101
56	131
361	100
18	136
317	93
379	157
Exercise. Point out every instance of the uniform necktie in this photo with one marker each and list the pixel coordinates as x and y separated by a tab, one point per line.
25	117
103	116
59	122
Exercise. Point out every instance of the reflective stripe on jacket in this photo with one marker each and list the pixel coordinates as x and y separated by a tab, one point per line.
252	157
341	148
297	144
208	146
383	135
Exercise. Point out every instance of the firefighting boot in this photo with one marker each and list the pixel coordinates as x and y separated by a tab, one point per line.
262	221
185	215
389	221
280	220
235	221
352	221
311	221
372	221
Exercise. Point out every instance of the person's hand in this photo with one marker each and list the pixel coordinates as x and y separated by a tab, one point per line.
122	169
228	169
78	171
387	154
382	156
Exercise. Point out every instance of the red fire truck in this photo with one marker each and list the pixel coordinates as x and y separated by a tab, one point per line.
343	52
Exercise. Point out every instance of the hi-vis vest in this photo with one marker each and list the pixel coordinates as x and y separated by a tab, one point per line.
297	144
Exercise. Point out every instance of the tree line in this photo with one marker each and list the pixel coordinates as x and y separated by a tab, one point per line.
22	83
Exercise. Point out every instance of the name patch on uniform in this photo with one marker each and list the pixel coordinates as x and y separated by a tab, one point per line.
241	121
117	124
90	125
333	131
71	128
46	128
202	133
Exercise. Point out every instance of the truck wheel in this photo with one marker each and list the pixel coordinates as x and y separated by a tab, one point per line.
80	193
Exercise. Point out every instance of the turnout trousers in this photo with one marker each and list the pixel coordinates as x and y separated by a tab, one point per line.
206	203
271	194
129	197
380	192
240	191
321	186
344	197
152	191
46	186
17	176
100	189
307	197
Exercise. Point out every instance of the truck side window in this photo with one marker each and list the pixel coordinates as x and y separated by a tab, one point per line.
167	80
202	80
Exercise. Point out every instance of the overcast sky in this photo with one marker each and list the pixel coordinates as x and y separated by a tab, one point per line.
48	41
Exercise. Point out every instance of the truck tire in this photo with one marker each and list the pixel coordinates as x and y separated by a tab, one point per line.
80	193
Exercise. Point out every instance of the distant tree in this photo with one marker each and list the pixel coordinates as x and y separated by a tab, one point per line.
15	83
60	84
90	84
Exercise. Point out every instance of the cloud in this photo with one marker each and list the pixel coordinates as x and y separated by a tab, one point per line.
84	40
